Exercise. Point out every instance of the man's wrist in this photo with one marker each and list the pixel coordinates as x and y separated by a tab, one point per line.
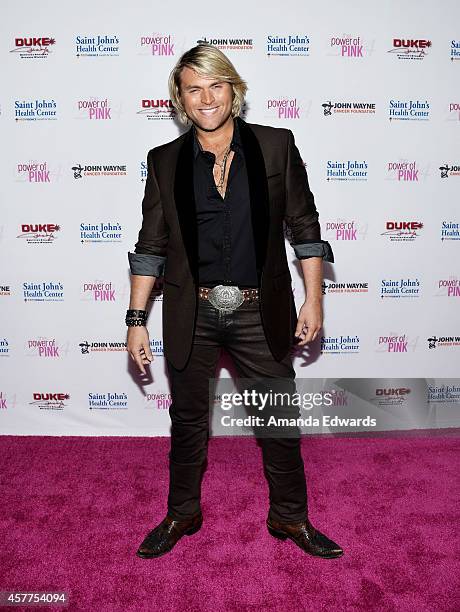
135	317
313	299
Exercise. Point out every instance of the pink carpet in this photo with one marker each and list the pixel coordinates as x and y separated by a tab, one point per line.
75	509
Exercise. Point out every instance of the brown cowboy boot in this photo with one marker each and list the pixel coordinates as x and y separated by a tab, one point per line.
306	536
164	536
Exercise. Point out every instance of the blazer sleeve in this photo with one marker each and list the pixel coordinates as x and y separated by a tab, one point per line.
302	217
149	255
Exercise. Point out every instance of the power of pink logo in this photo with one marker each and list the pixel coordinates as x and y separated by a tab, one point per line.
35	172
348	47
44	347
404	171
285	108
158	44
394	344
95	109
343	230
100	291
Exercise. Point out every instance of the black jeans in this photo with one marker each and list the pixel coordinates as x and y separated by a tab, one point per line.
241	334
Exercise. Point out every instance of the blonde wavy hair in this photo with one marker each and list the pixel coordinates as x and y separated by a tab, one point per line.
209	62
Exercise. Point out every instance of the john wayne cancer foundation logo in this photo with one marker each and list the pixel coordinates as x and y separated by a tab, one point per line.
233	43
348	287
288	44
157	109
348	108
449	170
409	110
35	110
101	346
402	231
33	47
88	347
410	48
97	46
39	233
437	342
99	170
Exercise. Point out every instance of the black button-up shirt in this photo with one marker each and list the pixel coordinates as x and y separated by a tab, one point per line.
225	240
226	243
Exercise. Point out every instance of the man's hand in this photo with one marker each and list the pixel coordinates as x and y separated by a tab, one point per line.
310	321
138	345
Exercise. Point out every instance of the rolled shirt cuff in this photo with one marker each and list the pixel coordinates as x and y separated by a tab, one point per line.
146	265
316	248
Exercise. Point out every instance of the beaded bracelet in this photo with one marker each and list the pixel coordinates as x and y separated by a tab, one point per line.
134	322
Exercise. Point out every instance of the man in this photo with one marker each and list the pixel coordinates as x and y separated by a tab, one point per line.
213	211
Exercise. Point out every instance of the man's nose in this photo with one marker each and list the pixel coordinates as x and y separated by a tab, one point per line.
206	96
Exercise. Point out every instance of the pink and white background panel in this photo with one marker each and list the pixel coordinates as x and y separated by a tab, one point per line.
371	92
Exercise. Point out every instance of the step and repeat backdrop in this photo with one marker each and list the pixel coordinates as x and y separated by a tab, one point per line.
371	92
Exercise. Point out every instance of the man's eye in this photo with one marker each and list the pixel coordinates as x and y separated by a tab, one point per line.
218	86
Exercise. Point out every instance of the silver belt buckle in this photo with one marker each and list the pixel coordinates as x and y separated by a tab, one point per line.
226	297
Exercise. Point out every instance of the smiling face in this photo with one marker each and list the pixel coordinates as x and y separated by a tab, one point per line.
207	101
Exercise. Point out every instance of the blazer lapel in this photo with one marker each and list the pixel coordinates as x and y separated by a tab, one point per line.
185	202
258	191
